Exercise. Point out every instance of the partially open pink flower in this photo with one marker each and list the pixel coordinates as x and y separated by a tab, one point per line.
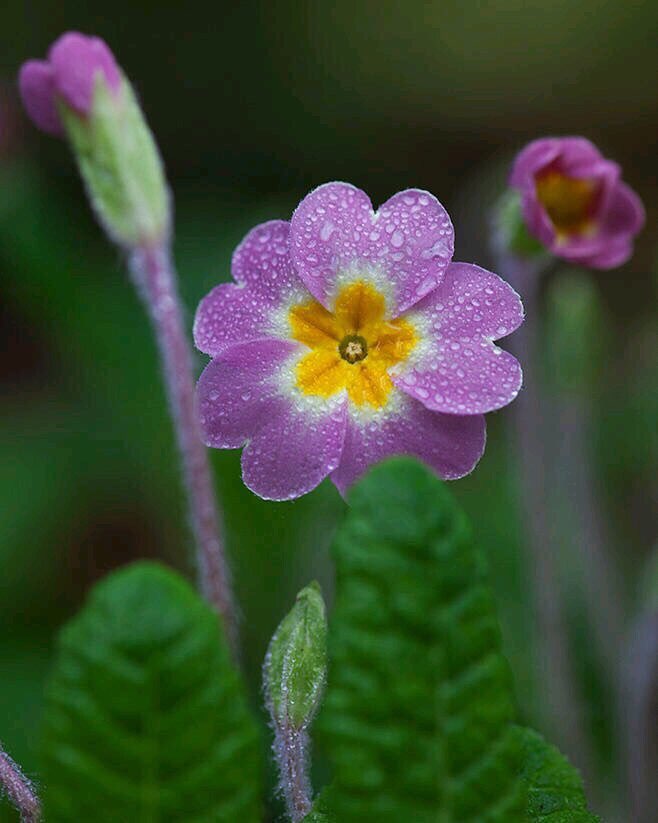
575	202
74	62
349	336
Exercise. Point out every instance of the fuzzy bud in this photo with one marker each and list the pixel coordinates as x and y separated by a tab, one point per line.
80	93
296	663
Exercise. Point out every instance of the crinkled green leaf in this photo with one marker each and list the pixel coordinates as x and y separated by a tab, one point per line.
555	789
146	719
419	708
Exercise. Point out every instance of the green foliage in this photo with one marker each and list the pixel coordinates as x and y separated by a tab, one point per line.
145	716
120	165
320	813
419	709
555	790
295	668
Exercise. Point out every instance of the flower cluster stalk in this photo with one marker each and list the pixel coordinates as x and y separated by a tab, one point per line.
154	276
19	790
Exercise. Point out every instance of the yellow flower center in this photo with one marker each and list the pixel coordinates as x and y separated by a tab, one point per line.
569	201
352	347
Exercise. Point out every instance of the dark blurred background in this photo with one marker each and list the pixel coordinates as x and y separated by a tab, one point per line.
253	104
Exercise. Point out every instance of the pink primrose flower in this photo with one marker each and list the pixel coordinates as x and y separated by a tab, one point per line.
348	336
575	202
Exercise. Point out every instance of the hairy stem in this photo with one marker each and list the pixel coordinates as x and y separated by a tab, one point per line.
561	704
19	789
291	750
153	272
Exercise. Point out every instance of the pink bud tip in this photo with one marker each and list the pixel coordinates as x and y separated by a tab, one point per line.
68	74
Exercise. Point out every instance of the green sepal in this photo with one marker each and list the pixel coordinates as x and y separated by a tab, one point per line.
513	234
146	716
120	165
296	663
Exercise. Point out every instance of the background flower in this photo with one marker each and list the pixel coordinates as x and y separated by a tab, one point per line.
575	202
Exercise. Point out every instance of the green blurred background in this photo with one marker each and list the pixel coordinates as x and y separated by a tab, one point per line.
253	104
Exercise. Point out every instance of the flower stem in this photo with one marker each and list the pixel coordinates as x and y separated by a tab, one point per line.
562	706
641	686
291	747
155	277
19	790
603	596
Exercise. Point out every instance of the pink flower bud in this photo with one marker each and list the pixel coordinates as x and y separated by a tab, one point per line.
68	75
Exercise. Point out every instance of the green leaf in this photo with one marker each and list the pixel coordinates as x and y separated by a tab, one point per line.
145	717
321	811
555	790
419	708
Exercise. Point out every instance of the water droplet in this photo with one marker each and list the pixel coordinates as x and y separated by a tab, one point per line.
326	231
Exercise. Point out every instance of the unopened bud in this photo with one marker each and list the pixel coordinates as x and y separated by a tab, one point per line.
80	93
296	664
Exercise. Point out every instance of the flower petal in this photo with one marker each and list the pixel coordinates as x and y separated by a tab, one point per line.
265	279
450	444
237	393
405	247
228	315
37	86
76	60
329	231
289	449
609	256
460	370
535	156
262	261
294	451
625	214
419	239
579	157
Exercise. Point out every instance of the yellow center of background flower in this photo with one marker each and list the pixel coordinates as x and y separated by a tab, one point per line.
352	348
569	201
